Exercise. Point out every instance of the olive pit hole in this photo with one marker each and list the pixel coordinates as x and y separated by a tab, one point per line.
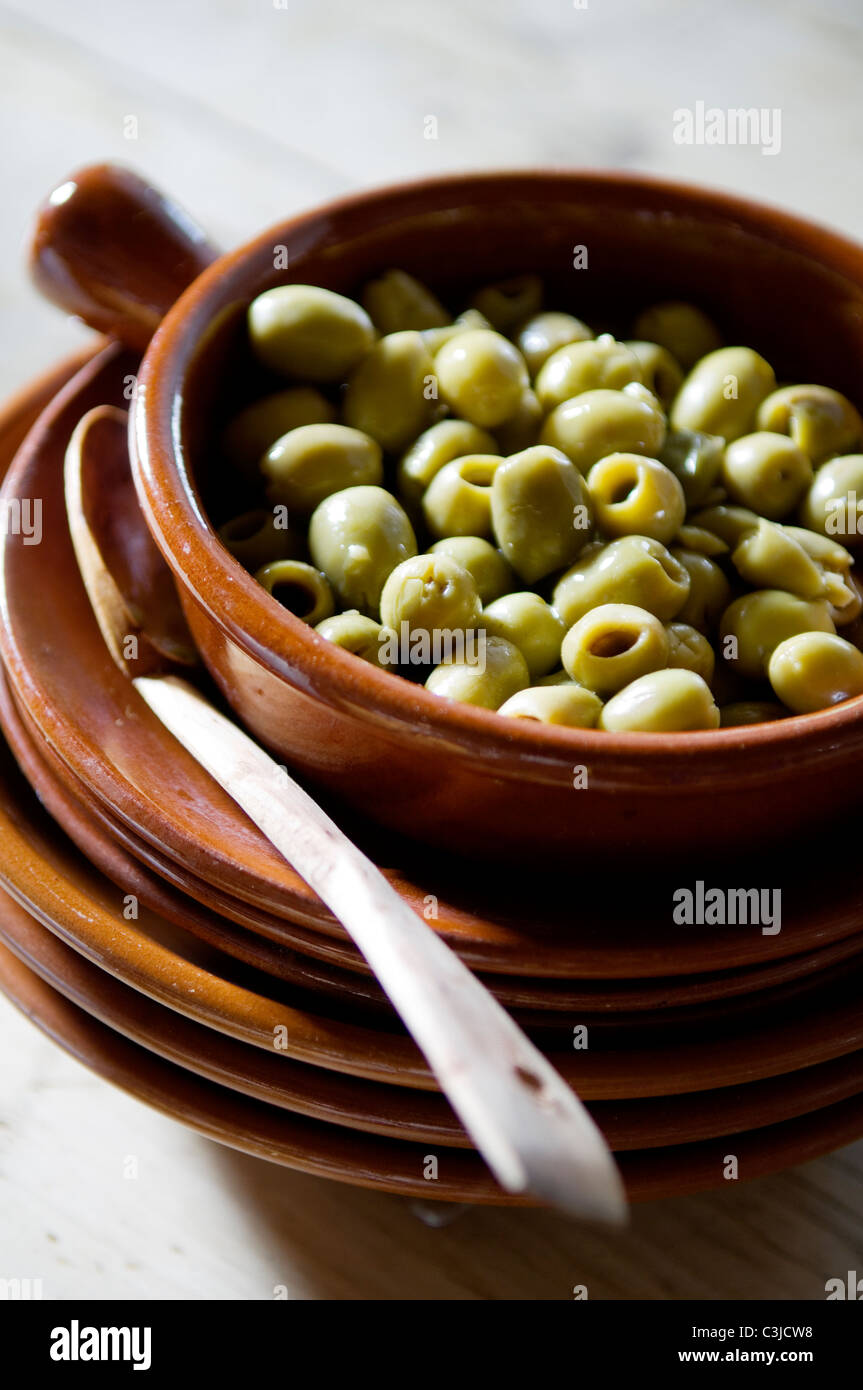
622	489
610	644
298	599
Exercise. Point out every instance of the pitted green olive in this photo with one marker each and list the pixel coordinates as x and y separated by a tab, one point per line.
673	700
526	620
814	670
682	329
612	645
430	593
443	442
819	420
306	465
396	301
457	501
766	472
695	460
634	495
250	434
770	558
597	423
634	570
356	538
300	588
307	332
540	512
709	591
662	374
596	364
392	395
490	682
356	633
492	573
834	503
482	377
722	393
545	333
689	650
508	303
566	704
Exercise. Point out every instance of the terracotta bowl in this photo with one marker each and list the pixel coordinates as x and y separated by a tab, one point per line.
447	773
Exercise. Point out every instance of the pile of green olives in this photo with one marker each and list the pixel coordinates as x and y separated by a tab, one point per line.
640	534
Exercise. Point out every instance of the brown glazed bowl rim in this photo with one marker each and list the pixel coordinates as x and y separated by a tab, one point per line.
291	650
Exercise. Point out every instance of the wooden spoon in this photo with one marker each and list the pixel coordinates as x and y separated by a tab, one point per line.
530	1127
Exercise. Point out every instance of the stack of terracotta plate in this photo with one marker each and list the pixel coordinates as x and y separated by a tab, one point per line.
149	928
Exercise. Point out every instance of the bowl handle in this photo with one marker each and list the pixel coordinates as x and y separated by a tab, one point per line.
111	249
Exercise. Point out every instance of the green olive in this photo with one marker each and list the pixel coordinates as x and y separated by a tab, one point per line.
689	650
722	393
566	704
634	570
661	702
749	712
598	364
834	503
682	329
709	591
700	541
256	539
307	332
819	420
597	423
396	301
613	645
633	495
662	374
430	593
530	624
251	433
500	674
357	537
521	430
443	442
434	338
392	395
306	465
356	633
814	670
491	571
482	377
695	460
540	511
508	303
766	472
457	501
753	626
730	524
770	558
545	333
300	588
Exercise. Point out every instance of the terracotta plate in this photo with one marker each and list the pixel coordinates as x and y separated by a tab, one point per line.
389	1165
403	1114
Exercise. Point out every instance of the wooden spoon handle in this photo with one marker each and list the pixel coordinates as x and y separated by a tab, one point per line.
111	249
528	1124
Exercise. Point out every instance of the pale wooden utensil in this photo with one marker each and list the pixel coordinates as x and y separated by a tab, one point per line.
527	1123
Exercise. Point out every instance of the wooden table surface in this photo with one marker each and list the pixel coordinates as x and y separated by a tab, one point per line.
247	110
